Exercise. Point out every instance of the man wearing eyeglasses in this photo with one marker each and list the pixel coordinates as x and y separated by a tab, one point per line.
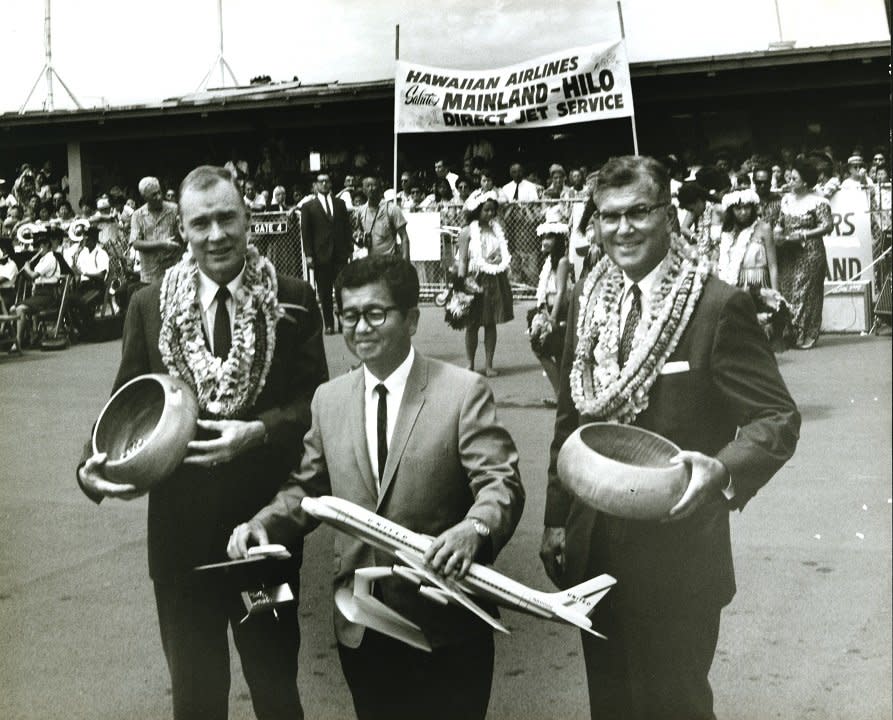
666	347
417	441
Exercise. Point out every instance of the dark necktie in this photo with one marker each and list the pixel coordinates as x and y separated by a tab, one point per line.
517	188
629	327
381	426
328	207
222	330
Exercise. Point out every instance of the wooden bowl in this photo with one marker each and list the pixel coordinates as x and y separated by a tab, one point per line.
622	470
144	429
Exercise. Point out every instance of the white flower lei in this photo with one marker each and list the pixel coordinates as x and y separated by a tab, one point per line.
731	254
224	388
599	387
476	261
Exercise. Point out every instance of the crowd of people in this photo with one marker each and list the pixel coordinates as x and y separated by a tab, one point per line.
761	222
661	343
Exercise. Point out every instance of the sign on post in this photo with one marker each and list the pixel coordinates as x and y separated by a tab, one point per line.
577	85
848	246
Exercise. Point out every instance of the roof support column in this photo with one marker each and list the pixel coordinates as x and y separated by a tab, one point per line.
79	181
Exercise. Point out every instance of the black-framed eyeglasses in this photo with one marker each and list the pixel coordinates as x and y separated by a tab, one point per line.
636	215
374	316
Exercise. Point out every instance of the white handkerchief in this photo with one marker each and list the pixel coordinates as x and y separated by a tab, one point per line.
677	366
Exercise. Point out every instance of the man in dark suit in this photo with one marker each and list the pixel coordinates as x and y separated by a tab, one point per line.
710	384
245	450
416	441
328	243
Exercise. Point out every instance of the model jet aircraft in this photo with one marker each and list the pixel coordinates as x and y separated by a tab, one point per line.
359	606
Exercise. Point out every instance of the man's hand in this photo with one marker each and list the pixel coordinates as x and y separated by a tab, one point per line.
234	438
453	551
553	553
245	536
708	476
92	478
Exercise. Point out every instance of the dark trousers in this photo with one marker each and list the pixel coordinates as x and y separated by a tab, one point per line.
193	618
651	666
389	680
325	280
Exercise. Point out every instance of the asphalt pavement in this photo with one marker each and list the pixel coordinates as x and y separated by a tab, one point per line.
807	636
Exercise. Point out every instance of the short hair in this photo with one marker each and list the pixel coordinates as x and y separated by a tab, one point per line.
713	179
148	184
628	169
807	170
206	176
689	193
395	273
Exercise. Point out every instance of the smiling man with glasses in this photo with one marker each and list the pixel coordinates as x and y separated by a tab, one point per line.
417	441
661	344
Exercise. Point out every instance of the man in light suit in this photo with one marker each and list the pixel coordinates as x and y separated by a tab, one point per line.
328	242
718	395
427	452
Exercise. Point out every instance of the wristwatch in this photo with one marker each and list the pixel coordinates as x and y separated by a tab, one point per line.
480	527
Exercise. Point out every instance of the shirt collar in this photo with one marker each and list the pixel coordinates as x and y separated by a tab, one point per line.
645	284
396	380
207	288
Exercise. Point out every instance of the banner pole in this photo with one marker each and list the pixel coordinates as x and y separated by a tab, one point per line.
632	116
396	100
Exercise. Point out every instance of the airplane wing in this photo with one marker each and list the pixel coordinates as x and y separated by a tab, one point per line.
361	607
452	589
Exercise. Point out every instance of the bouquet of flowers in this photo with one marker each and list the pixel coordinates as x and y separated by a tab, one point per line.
539	328
457	300
774	317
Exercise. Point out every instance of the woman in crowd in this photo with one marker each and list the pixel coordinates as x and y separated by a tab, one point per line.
547	325
747	249
692	206
804	220
483	254
45	272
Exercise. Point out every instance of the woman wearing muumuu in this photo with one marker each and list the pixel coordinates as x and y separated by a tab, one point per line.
483	253
804	221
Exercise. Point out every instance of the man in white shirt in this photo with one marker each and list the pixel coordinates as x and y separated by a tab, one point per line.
518	189
417	441
91	267
443	172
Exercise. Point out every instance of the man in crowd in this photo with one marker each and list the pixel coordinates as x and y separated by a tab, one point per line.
328	243
770	203
254	200
442	172
717	394
91	267
518	189
153	232
381	223
521	217
557	177
416	441
249	420
346	194
403	197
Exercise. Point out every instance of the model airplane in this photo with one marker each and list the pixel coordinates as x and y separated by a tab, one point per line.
359	606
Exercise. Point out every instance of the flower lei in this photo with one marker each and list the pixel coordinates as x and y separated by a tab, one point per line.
599	387
732	249
224	388
476	261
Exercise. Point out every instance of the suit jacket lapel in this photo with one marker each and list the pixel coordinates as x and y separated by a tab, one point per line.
410	406
358	433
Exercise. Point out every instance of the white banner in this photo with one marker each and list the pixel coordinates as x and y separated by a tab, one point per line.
423	229
577	85
848	247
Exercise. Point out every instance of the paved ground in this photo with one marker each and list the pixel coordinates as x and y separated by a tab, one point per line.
808	635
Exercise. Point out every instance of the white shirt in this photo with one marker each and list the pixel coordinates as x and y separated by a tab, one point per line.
328	205
92	262
526	191
345	197
645	286
207	297
395	384
8	270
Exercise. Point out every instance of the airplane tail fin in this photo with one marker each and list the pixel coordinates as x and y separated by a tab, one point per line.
581	599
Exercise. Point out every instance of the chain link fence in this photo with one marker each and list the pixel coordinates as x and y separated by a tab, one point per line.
277	235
